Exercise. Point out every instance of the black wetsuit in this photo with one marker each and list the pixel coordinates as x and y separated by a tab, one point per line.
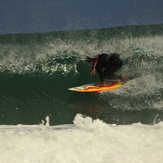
111	63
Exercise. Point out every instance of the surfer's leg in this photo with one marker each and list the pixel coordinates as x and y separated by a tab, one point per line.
100	73
108	73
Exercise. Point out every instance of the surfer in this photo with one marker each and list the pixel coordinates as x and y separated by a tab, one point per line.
111	63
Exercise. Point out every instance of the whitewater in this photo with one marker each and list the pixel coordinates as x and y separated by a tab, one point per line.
85	141
42	122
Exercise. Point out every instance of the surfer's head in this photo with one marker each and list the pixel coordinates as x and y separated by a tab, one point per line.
89	59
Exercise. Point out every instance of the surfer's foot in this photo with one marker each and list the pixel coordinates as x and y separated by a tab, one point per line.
122	78
102	83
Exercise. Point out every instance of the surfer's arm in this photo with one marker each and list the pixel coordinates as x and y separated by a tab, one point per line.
93	71
95	61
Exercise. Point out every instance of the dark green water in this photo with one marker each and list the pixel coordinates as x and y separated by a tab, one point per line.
36	71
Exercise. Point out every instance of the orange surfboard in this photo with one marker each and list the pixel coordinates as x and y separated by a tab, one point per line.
92	88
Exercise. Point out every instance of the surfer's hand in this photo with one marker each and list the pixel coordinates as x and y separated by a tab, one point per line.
93	71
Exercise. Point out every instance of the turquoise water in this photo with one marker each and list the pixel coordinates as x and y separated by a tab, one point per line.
36	71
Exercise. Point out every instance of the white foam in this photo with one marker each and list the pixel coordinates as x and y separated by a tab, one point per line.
86	141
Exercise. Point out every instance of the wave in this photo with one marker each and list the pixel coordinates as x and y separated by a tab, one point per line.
37	69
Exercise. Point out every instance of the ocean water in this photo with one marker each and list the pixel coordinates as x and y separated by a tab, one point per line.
41	121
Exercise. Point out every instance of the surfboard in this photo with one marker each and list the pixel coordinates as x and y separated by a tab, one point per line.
110	84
